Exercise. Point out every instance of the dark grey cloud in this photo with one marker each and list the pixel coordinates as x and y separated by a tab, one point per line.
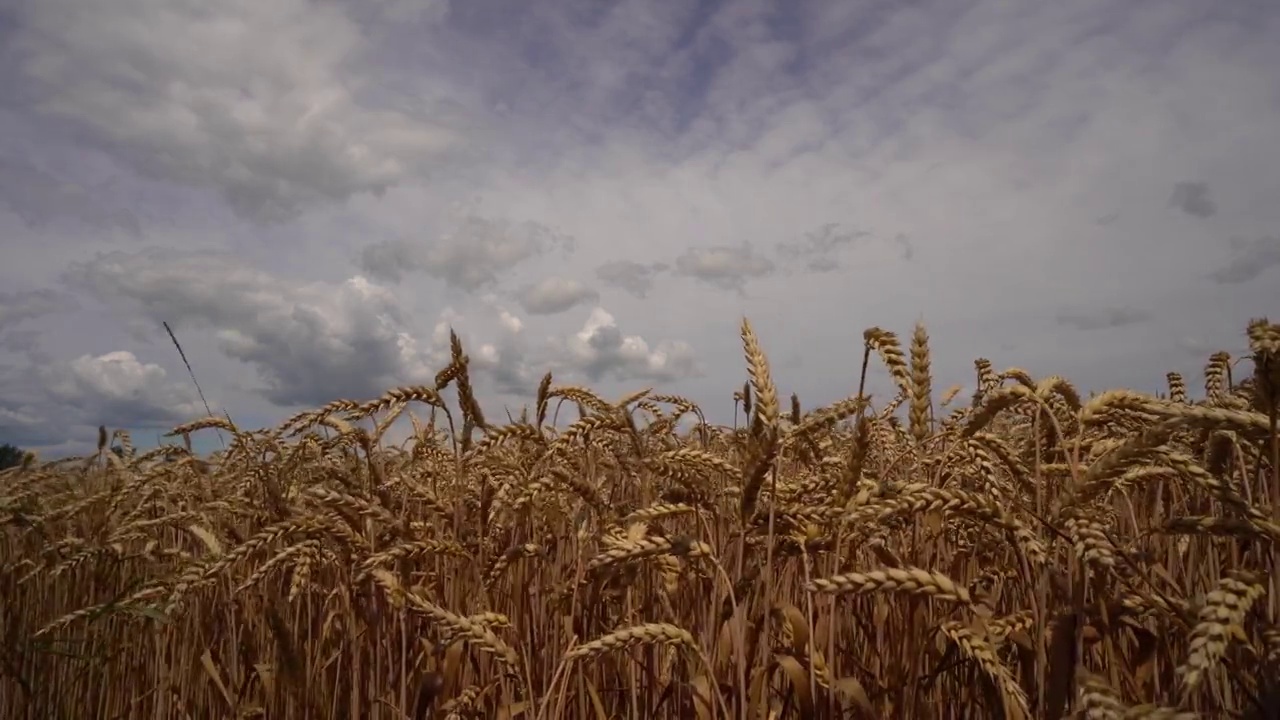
818	250
472	255
1193	198
51	404
263	113
39	198
822	264
20	342
633	277
390	260
905	246
309	342
312	342
724	266
26	305
507	366
1103	319
555	295
1251	258
633	65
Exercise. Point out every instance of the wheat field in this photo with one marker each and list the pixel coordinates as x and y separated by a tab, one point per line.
1024	553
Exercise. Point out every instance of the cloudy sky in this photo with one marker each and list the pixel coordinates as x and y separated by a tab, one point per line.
311	192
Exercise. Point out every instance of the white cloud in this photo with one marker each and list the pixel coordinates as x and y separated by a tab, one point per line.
600	349
511	322
494	341
63	402
118	378
506	361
